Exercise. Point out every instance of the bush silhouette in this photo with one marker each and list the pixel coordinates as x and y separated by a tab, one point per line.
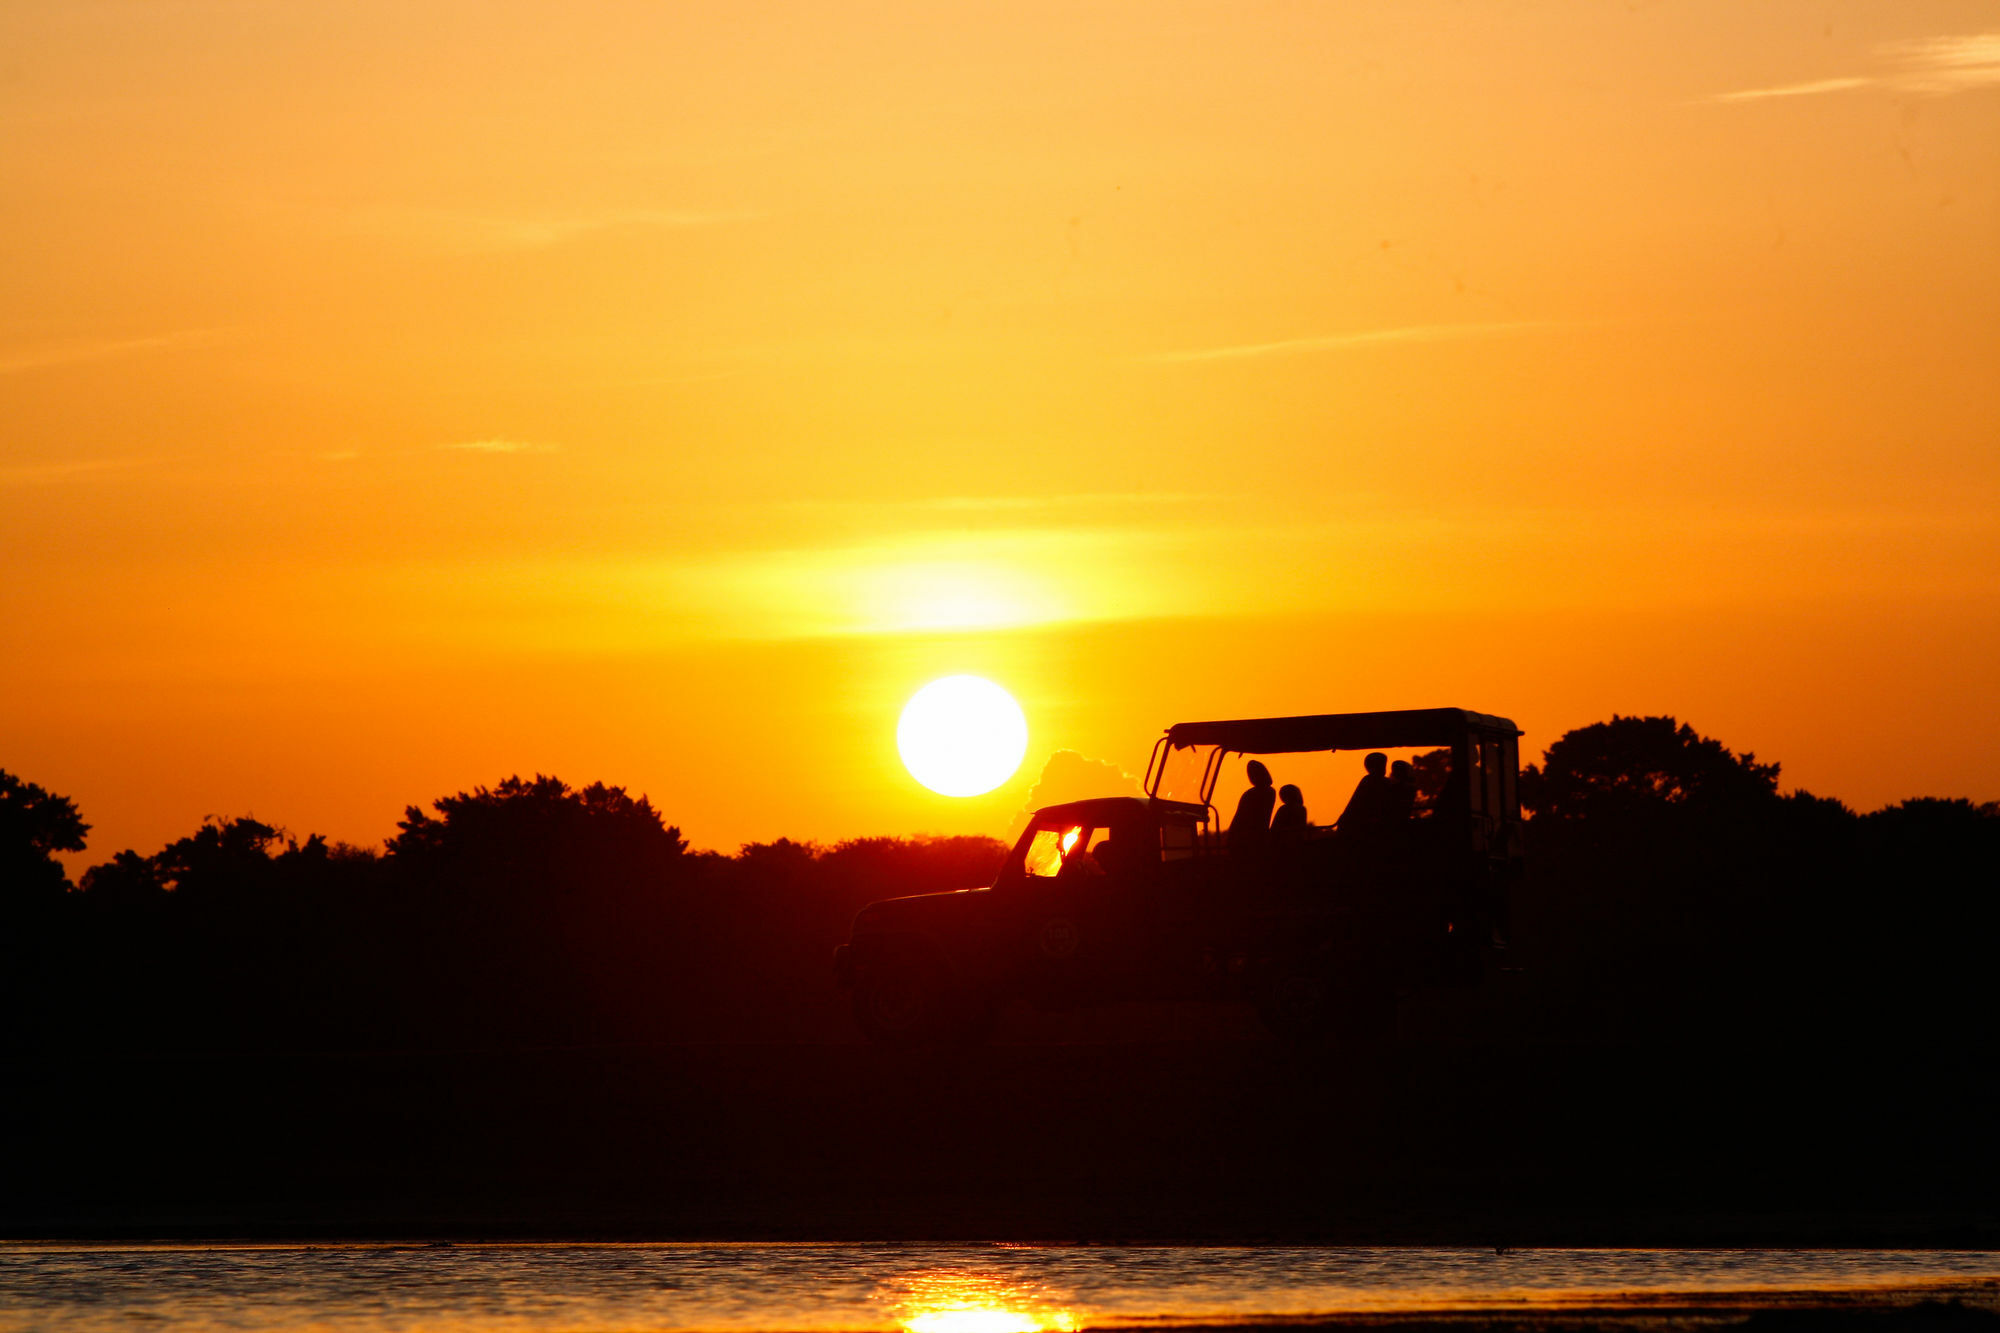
34	825
521	828
1635	765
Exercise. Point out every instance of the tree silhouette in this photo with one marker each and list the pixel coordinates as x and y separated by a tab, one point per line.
125	879
540	827
1432	770
34	825
1635	766
223	856
1669	893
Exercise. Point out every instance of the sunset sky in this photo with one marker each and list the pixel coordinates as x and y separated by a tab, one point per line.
394	397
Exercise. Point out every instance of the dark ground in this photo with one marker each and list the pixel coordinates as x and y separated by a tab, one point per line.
1210	1140
1728	1016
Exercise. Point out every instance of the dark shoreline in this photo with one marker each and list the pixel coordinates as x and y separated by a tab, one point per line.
1213	1141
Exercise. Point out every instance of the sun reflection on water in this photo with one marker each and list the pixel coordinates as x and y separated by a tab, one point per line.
949	1301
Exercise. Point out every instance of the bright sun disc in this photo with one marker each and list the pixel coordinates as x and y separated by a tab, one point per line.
962	736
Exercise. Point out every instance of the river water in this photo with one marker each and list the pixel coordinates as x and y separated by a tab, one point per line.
918	1288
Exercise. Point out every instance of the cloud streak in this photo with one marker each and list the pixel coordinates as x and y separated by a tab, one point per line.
1951	64
499	447
30	474
1090	501
1333	342
1793	90
450	229
1931	66
77	350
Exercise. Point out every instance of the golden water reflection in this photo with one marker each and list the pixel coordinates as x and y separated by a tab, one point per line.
956	1301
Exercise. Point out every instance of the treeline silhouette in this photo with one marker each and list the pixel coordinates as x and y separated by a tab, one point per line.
1672	894
530	913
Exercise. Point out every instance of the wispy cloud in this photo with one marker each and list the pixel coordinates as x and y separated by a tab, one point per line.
500	447
74	350
1950	64
451	229
1095	501
1933	66
1414	333
1793	90
1091	501
30	474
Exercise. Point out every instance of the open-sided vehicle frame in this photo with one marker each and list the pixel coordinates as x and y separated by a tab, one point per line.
1124	898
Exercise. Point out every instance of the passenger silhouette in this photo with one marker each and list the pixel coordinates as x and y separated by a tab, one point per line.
1288	826
1369	807
1251	827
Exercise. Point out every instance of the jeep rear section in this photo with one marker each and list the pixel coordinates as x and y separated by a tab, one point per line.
1472	823
1485	761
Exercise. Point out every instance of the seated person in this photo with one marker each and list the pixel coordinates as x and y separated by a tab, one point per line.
1288	826
1251	827
1368	809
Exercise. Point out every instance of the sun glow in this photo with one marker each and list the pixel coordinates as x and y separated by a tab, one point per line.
945	596
962	736
969	1303
913	584
988	1319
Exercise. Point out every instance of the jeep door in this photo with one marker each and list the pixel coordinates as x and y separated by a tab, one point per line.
1079	913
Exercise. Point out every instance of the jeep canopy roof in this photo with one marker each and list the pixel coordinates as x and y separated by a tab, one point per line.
1338	731
1103	811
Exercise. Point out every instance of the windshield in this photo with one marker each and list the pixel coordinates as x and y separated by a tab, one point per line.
1047	850
1074	850
1181	772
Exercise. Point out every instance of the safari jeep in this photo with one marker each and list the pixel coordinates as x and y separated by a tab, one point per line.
1147	898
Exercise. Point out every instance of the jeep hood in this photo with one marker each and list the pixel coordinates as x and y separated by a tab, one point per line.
896	913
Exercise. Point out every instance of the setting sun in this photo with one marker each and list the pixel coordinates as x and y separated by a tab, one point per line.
962	736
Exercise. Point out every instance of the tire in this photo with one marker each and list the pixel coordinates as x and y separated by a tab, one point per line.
904	998
1297	1003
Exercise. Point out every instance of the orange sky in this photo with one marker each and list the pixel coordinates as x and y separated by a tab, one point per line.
396	397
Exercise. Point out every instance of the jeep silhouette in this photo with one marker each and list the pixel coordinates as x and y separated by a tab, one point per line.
1145	898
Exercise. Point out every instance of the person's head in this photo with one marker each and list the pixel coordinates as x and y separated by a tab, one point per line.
1400	771
1260	776
1375	763
1289	794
